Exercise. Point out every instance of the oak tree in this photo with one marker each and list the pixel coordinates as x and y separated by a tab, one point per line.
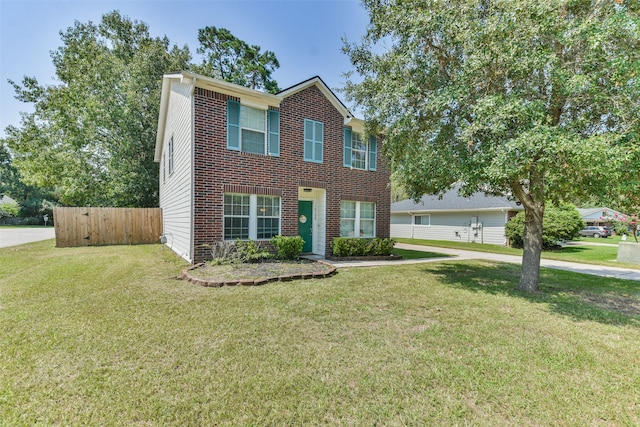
535	99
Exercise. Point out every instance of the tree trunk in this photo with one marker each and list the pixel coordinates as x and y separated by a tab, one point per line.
530	273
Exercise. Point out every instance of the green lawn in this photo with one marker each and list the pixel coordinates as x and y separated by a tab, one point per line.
600	255
108	336
409	254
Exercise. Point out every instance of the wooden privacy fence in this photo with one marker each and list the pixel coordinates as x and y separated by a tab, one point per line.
107	226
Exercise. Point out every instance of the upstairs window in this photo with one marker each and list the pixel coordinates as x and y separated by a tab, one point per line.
358	152
247	129
313	141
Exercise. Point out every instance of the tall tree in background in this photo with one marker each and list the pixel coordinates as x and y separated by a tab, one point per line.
92	136
34	201
228	58
538	99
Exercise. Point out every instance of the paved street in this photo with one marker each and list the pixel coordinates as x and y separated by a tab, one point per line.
18	236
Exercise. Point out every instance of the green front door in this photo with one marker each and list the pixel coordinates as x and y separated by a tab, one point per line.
305	215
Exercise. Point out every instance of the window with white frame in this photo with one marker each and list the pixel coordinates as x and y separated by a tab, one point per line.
313	141
268	213
422	219
357	219
360	153
236	216
170	149
252	130
251	216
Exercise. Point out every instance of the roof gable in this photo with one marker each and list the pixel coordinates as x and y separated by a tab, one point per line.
324	89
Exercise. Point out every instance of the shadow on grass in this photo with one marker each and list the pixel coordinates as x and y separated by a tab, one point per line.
580	296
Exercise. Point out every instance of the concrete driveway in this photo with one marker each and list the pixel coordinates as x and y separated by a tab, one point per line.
20	235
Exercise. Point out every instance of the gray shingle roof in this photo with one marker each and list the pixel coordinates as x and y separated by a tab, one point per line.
451	201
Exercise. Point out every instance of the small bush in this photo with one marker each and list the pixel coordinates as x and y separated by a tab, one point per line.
250	251
223	252
347	246
9	209
560	223
238	252
288	247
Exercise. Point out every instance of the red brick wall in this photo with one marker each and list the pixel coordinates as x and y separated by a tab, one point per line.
216	168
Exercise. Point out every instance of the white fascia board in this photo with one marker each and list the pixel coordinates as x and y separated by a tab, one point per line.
316	81
162	116
434	211
249	97
357	125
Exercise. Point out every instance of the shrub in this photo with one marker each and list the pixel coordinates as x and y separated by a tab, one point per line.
223	252
560	223
288	247
347	246
9	209
250	251
240	251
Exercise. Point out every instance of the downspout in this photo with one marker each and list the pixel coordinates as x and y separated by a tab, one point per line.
412	224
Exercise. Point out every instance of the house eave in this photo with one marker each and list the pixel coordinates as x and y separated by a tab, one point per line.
428	211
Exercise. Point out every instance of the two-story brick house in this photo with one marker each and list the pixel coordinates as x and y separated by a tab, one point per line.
237	163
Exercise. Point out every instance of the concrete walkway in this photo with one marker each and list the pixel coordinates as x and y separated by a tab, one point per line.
19	235
597	270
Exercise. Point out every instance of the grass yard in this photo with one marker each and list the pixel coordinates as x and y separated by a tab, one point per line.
108	336
599	255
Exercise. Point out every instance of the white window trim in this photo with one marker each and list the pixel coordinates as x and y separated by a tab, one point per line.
366	150
264	132
413	220
253	216
171	156
356	231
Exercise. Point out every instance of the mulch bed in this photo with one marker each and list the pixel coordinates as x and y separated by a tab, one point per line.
254	274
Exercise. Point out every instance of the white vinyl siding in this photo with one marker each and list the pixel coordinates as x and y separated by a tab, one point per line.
176	189
452	226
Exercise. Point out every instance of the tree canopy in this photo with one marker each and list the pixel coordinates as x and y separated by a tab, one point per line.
228	58
91	136
535	99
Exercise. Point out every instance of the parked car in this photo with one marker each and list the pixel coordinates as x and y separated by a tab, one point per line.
595	231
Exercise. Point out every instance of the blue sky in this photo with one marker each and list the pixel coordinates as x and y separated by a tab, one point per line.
304	34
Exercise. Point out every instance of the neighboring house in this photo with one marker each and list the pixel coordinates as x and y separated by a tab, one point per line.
599	216
478	218
236	163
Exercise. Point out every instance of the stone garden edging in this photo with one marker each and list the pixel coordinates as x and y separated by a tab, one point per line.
185	275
